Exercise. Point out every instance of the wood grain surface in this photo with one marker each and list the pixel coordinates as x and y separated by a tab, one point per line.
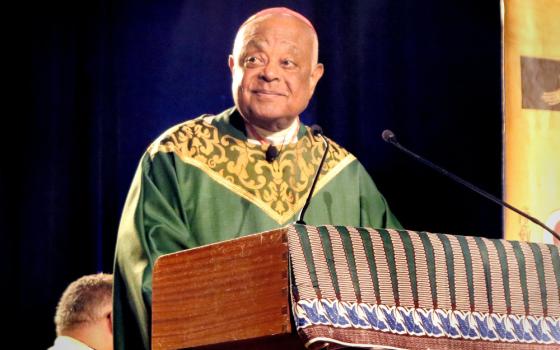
232	292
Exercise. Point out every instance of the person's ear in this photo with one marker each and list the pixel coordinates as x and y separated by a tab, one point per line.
109	321
231	63
316	74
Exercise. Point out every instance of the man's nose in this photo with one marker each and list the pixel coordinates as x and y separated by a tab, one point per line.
269	72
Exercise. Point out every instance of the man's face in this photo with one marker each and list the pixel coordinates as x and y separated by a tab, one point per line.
274	70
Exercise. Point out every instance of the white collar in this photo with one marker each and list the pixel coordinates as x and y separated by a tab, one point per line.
63	342
288	135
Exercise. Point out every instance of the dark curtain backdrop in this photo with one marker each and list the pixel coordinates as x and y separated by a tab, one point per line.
99	80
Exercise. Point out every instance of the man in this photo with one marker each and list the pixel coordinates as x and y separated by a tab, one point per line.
83	316
245	170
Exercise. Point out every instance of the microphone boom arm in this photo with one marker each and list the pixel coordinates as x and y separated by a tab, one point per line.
316	131
389	137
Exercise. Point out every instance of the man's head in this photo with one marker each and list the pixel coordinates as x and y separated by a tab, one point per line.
85	309
274	67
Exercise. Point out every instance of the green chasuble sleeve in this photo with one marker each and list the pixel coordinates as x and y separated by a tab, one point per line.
202	182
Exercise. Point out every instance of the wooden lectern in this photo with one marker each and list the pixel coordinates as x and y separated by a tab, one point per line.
358	287
228	295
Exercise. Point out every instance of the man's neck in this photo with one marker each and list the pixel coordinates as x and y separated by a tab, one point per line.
95	336
285	135
67	341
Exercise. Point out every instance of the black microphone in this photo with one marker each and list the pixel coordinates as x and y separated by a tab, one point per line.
389	136
271	153
317	131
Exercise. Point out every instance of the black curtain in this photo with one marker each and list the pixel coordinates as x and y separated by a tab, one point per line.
97	81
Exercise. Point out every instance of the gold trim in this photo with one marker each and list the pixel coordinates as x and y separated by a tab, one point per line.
324	179
240	191
279	188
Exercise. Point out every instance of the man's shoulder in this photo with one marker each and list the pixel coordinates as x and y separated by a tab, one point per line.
338	148
203	126
66	342
337	158
335	149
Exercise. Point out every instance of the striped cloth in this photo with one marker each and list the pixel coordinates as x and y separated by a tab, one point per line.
397	289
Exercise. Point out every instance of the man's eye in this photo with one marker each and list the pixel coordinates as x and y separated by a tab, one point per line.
288	63
252	60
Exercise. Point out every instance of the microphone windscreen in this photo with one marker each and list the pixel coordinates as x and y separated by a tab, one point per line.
316	129
387	135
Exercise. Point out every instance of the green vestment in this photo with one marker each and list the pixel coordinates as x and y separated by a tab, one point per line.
202	182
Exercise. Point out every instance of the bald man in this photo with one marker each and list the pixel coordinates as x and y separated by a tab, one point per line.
245	170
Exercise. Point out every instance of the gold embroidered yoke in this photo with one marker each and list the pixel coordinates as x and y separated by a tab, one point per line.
203	182
278	188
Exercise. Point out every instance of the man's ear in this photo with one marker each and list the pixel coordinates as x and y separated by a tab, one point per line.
231	63
109	318
316	74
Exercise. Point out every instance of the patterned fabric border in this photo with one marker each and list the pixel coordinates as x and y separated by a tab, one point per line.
419	284
432	322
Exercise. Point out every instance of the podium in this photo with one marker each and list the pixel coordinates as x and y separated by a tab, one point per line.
347	286
228	295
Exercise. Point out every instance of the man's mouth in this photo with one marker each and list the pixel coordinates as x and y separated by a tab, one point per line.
262	92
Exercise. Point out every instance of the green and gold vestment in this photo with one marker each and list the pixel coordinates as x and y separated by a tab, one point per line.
203	182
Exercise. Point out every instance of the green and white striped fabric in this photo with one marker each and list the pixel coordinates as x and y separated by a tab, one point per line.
404	289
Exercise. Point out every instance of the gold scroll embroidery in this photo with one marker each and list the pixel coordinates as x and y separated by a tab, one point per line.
278	188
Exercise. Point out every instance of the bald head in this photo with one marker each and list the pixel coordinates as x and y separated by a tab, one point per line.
274	67
281	12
